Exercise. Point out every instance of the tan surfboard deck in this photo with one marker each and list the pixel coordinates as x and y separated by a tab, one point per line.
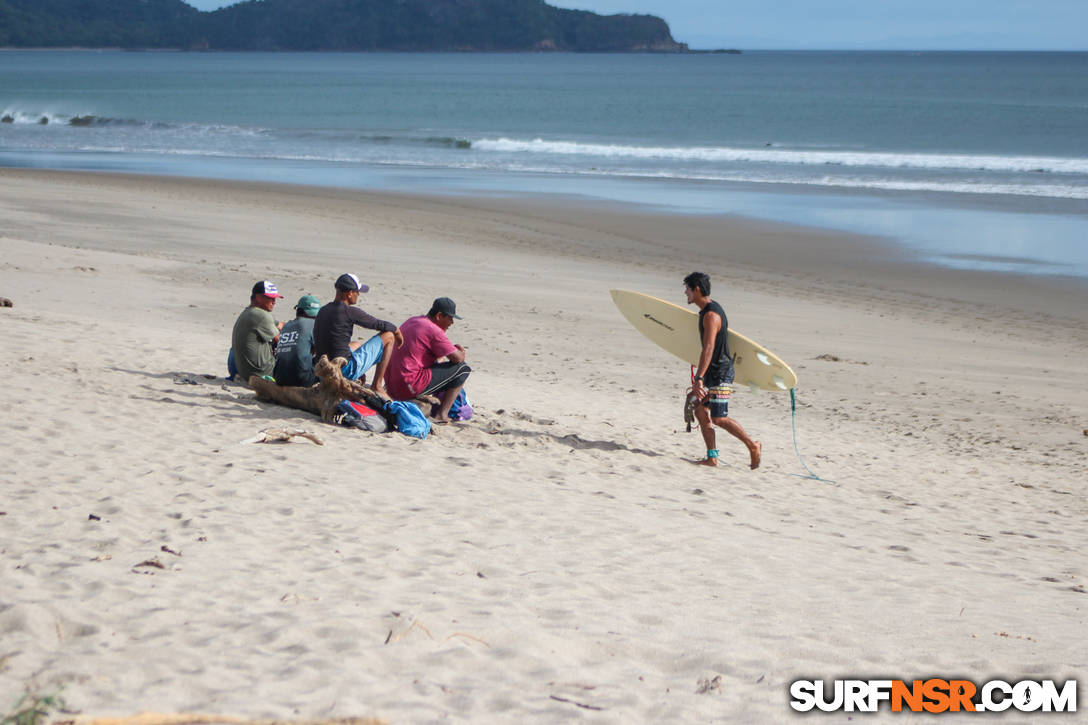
675	329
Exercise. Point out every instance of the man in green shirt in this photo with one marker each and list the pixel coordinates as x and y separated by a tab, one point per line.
255	334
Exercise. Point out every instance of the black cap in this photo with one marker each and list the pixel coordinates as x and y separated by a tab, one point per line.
350	283
446	306
266	288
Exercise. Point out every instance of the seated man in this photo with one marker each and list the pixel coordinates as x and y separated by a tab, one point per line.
255	334
332	334
415	370
294	354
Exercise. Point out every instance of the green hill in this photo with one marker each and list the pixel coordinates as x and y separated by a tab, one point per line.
345	25
96	23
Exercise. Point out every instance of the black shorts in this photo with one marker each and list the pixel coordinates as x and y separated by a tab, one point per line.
445	376
717	398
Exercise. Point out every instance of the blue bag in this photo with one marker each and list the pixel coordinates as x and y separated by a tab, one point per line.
410	419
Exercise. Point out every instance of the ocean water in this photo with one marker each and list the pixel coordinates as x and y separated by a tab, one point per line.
970	159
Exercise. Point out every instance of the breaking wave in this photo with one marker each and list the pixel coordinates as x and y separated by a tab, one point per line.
719	154
89	132
24	117
51	118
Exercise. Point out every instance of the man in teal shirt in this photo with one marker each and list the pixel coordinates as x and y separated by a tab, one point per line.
294	353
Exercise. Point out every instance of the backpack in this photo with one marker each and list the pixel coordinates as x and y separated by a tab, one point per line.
359	416
462	407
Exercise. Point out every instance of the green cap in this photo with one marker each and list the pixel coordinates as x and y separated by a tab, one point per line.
308	305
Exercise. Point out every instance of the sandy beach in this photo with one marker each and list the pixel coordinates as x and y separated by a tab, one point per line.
557	558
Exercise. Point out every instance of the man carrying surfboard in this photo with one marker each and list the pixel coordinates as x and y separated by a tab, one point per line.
712	386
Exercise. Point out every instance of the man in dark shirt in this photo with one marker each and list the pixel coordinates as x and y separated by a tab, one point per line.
294	353
333	328
714	373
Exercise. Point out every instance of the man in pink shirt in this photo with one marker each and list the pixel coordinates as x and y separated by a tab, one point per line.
414	369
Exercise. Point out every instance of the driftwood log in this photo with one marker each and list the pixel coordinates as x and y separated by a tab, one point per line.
322	398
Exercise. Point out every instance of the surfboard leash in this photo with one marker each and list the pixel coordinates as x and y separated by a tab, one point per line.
793	415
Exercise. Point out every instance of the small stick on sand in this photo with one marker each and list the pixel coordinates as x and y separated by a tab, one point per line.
158	718
277	435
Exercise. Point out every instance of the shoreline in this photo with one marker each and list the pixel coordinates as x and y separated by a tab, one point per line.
881	264
1035	237
559	550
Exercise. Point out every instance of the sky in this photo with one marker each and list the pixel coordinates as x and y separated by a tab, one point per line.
855	24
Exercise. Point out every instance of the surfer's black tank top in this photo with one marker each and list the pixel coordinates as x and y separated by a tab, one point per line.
720	369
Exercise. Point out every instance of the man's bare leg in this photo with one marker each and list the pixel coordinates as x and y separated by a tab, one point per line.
709	436
379	373
755	448
447	402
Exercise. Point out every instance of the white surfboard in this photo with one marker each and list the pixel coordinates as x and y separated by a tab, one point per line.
676	330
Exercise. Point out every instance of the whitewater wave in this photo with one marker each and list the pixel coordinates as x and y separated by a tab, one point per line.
88	132
763	177
43	118
51	118
334	135
580	154
1052	191
870	159
90	120
24	117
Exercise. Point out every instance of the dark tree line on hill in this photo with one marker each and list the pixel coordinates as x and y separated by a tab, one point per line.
96	23
347	25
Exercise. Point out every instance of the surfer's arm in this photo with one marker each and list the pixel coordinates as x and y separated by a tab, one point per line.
712	323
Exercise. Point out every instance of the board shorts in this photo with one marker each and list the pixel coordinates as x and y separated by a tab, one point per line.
363	358
446	376
717	400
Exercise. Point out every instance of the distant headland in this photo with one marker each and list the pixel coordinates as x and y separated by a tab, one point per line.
329	25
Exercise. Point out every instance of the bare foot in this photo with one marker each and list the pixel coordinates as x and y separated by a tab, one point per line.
442	421
755	452
707	462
